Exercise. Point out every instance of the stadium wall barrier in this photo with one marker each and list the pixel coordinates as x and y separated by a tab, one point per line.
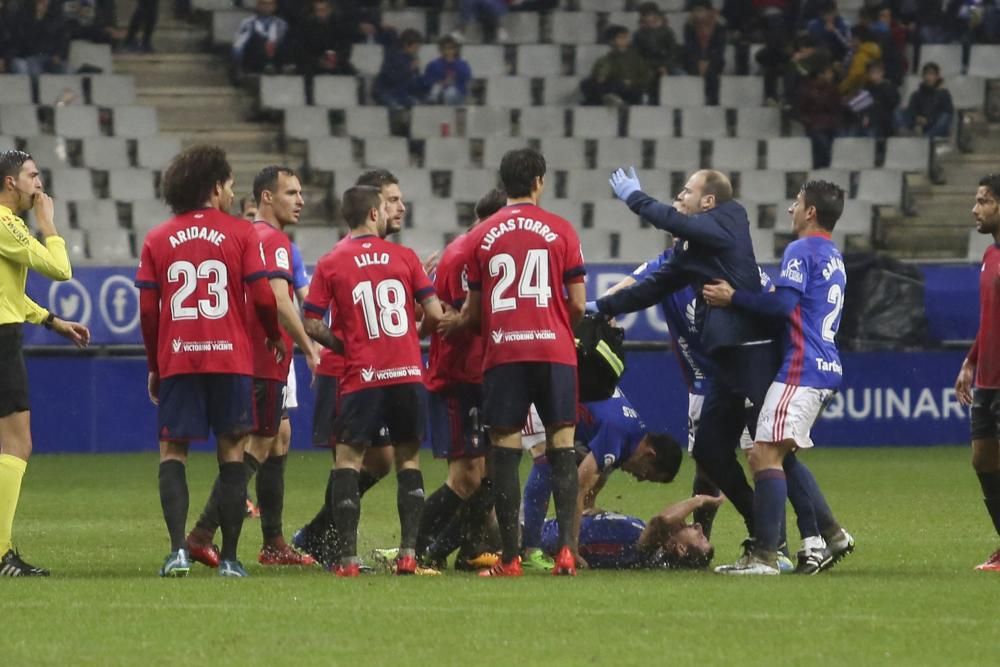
98	403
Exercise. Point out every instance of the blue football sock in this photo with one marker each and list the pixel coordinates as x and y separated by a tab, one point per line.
770	493
805	482
798	494
537	492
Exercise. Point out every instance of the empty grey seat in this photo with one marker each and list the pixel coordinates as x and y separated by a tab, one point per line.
880	186
734	154
978	243
907	153
658	183
427	121
281	92
76	244
494	149
89	54
543	122
446	153
314	242
614	215
595	122
434	214
569	210
71	184
7	143
574	27
16	89
596	245
50	151
148	213
415	183
837	176
584	58
560	90
306	122
539	60
52	87
564	152
640	244
602	5
682	91
741	91
984	61
947	56
422	242
758	122
112	90
619	152
19	120
131	184
488	121
789	154
588	185
522	27
225	23
345	177
682	154
110	246
387	152
853	153
335	91
763	244
77	122
97	214
329	153
968	92
367	58
366	121
762	186
402	19
156	152
857	218
136	122
485	60
650	122
105	153
508	92
471	184
704	123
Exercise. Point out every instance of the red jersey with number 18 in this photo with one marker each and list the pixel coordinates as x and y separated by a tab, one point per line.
372	284
199	262
521	258
278	264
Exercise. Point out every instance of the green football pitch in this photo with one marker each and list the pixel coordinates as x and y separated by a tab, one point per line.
907	596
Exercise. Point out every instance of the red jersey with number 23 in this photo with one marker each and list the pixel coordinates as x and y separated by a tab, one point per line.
372	284
278	264
199	262
520	258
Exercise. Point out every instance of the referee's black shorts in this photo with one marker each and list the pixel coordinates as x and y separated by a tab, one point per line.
13	374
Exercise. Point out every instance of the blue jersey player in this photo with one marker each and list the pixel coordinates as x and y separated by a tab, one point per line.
809	295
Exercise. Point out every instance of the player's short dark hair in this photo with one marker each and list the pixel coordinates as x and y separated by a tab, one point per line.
612	32
648	8
992	183
357	202
267	179
717	184
191	177
409	37
667	454
828	198
930	67
11	162
490	203
518	170
690	560
377	178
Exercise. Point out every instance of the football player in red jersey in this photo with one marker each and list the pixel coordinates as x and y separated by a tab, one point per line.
373	285
526	289
193	315
278	195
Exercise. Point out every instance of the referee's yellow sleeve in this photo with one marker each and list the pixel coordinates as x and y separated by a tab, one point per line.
19	246
34	313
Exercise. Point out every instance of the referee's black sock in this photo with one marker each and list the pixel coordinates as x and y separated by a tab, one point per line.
174	500
703	486
211	517
990	483
507	487
346	510
271	496
410	504
439	510
232	506
564	490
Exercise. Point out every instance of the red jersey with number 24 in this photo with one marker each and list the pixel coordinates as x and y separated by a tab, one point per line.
278	264
372	284
199	262
521	258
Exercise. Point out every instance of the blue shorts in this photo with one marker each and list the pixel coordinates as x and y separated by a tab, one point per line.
510	389
269	400
367	417
193	405
324	410
456	432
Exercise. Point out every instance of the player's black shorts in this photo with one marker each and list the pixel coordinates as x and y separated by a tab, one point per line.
269	401
397	412
324	410
13	373
193	404
456	431
985	414
510	389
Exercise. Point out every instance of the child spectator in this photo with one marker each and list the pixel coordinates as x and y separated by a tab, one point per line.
447	77
819	110
488	13
399	84
656	42
874	106
930	108
619	77
831	31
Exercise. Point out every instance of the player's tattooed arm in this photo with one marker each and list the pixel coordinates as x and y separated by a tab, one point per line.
321	333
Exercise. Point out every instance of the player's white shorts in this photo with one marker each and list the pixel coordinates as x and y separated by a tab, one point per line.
695	403
291	398
789	412
533	433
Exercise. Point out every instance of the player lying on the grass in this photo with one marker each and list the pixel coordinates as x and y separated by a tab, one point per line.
618	542
615	439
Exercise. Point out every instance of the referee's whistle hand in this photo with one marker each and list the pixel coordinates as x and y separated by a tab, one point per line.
44	210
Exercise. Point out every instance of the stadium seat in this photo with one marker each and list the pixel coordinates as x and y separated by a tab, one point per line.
758	122
16	89
602	5
156	152
659	183
468	185
105	153
789	154
345	177
984	61
763	244
856	218
77	122
7	143
522	27
366	121
761	186
741	91
428	121
838	176
89	54
596	245
734	154
853	153
387	152
584	58
947	56
136	122
131	184
880	186
560	90
568	210
543	122
60	216
578	27
647	122
588	185
564	152
281	92
595	122
539	60
618	152
704	123
52	87
225	23
487	121
403	19
434	214
416	183
97	214
485	60
682	154
48	150
110	246
329	153
508	92
978	243
613	215
147	213
367	59
968	92
423	242
71	184
19	120
637	245
314	242
335	91
112	90
907	154
446	153
495	147
682	91
76	244
306	122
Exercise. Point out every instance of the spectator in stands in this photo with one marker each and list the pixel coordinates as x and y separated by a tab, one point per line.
447	77
488	13
248	208
260	40
864	50
323	42
38	40
772	18
705	47
93	21
930	109
831	32
807	60
6	41
619	77
532	5
820	112
399	84
656	42
891	37
974	20
143	18
874	106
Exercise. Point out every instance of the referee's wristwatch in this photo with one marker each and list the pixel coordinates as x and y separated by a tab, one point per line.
49	320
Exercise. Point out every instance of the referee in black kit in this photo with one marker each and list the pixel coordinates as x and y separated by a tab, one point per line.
21	189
